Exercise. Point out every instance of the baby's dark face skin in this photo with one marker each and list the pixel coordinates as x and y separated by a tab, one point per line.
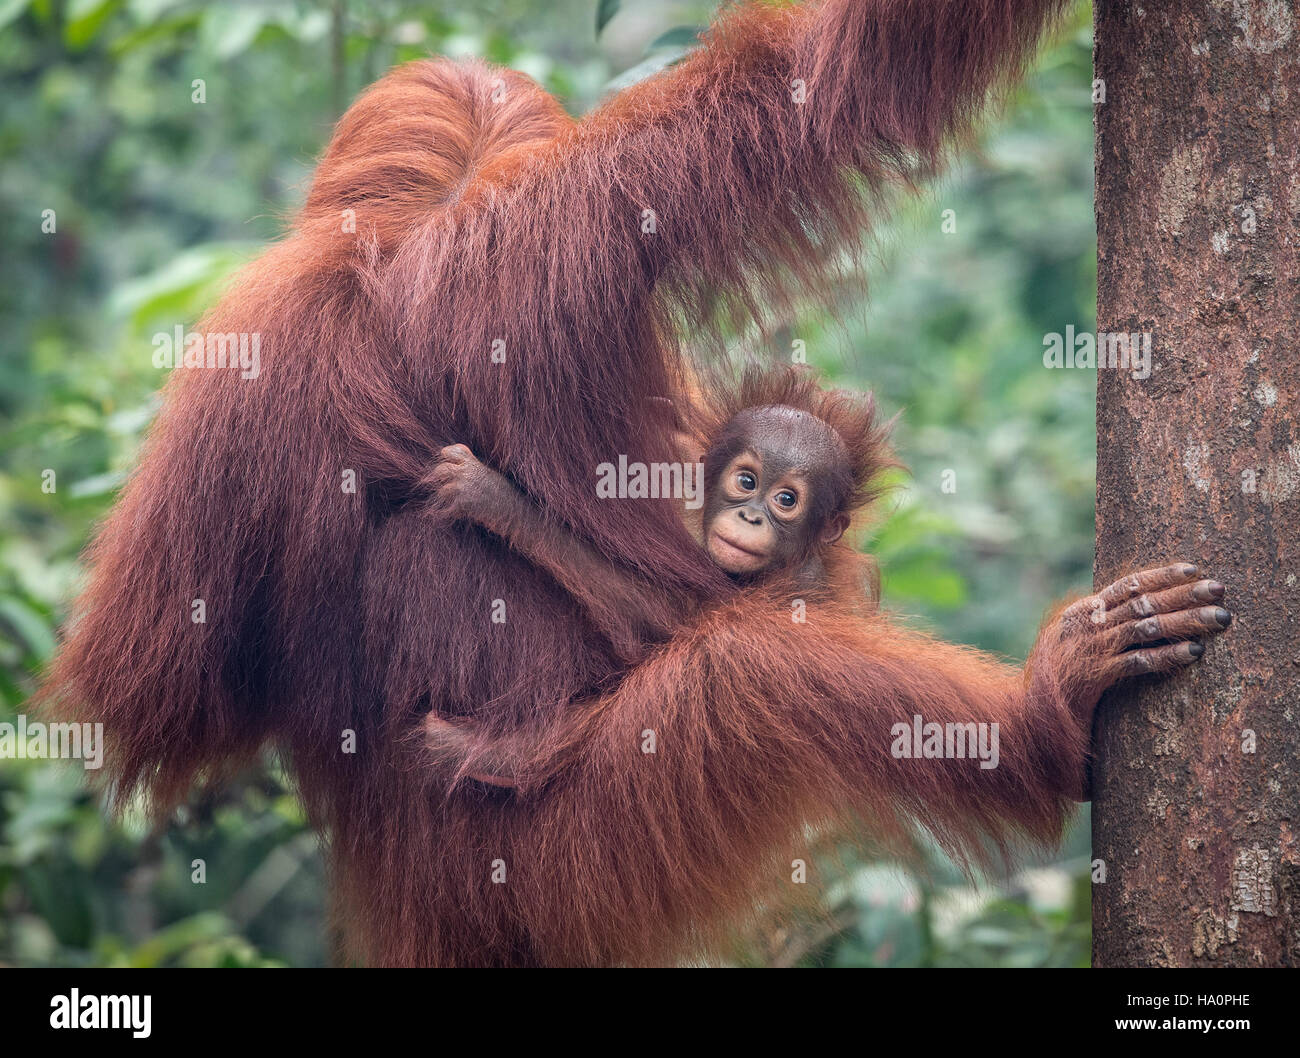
772	480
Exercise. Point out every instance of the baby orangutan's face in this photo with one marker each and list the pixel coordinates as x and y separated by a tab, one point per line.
761	512
758	523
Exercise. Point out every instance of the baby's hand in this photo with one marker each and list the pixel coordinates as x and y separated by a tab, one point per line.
457	480
465	489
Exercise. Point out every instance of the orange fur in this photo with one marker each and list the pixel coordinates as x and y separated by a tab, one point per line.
484	214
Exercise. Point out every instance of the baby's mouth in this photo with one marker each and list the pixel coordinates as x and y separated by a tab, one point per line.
725	550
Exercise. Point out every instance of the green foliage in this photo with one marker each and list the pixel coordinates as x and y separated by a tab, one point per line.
157	198
953	339
893	919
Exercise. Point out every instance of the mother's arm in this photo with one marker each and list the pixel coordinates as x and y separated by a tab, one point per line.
746	701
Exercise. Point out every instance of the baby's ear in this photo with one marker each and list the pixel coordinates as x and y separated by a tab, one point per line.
835	528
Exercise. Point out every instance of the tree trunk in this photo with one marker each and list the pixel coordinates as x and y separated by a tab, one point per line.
1197	776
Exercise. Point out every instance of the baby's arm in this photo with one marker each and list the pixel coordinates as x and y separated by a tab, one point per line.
621	606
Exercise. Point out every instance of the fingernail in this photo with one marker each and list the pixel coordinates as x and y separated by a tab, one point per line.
1196	648
1189	571
1208	591
1223	617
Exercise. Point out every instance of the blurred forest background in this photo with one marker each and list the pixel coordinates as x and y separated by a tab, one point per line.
157	198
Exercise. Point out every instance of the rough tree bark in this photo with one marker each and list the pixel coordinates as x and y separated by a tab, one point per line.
1198	225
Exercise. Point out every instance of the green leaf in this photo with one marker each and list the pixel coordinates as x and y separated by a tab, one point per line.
178	288
174	940
11	9
84	19
165	29
605	11
104	484
227	31
148	10
31	628
923	578
646	68
677	37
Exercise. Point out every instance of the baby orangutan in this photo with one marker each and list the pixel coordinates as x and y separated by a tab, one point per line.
777	489
781	481
787	464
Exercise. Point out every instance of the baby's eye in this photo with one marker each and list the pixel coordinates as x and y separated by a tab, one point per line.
786	499
746	481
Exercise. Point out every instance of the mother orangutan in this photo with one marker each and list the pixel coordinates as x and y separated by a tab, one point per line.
474	266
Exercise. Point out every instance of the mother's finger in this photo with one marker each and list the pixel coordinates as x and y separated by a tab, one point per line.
1183	597
1146	582
1157	659
1185	624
